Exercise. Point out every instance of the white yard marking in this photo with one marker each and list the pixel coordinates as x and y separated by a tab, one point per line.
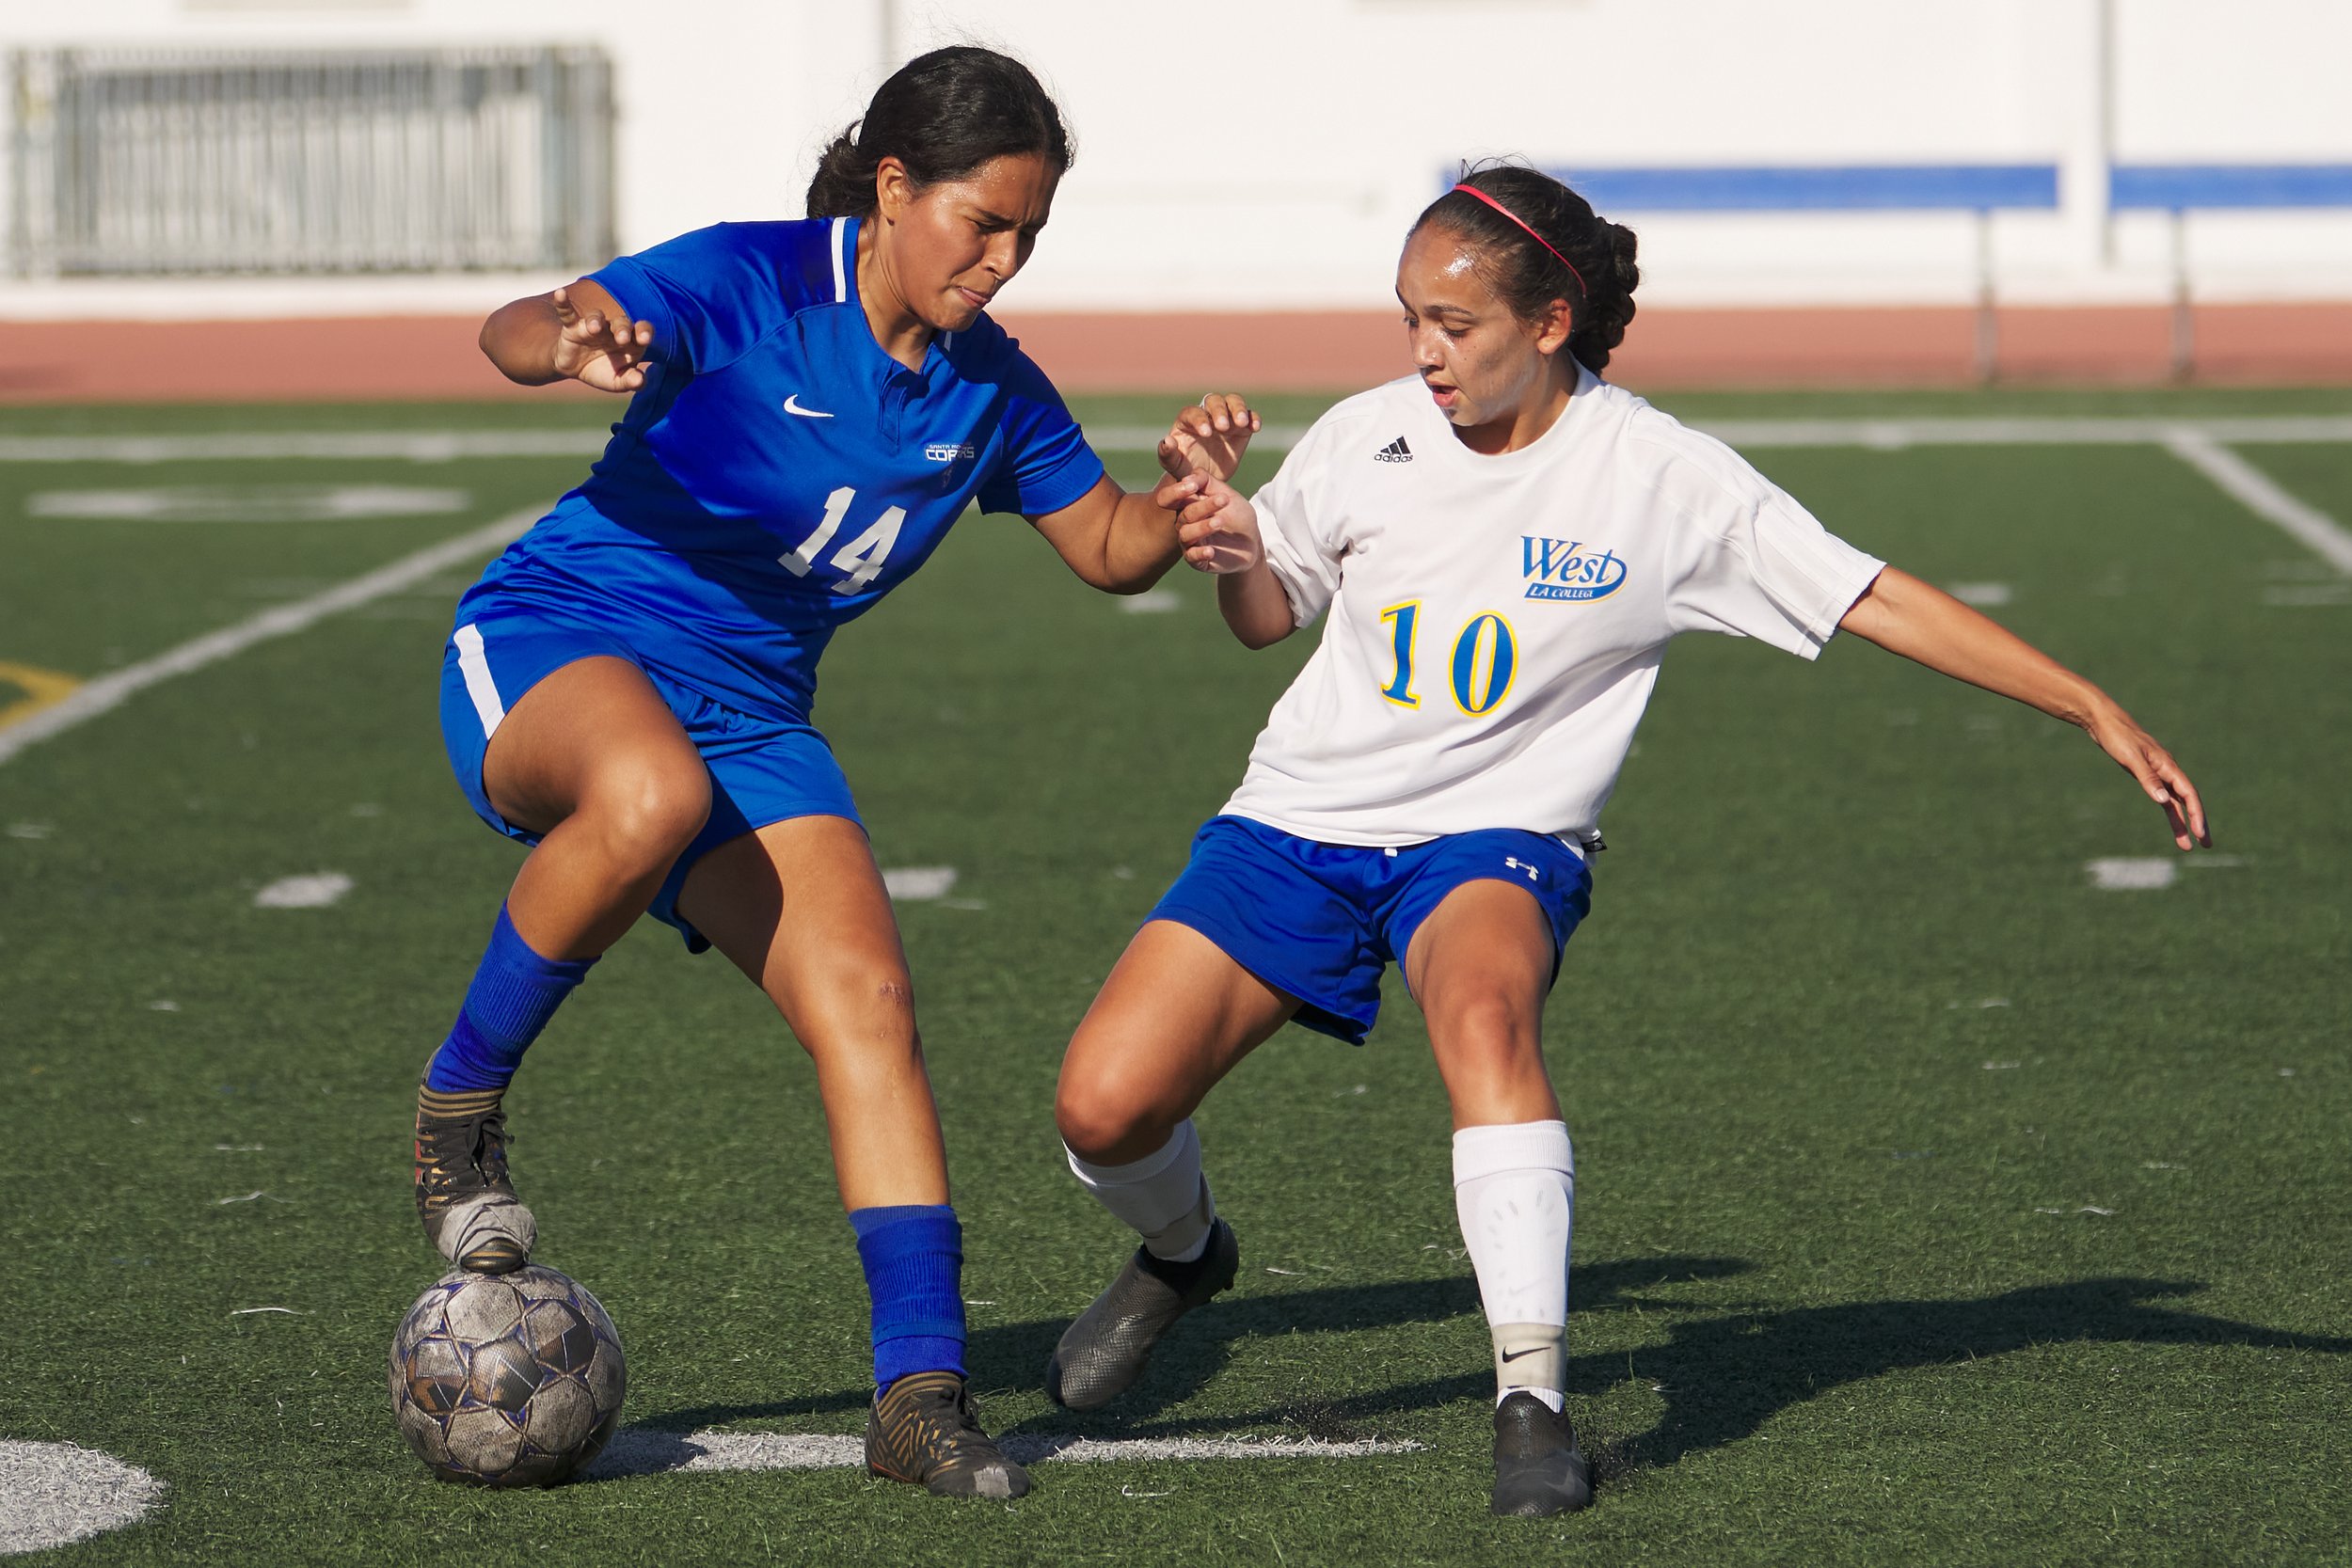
1152	601
919	882
109	692
1892	435
637	1452
260	503
1984	596
2261	496
35	831
443	446
2308	596
313	892
1897	435
54	1492
414	446
2133	873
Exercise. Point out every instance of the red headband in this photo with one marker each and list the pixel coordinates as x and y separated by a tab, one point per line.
1473	190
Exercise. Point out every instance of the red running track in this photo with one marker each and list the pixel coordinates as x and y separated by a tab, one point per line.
411	358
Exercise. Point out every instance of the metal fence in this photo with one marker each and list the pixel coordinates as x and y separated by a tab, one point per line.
148	162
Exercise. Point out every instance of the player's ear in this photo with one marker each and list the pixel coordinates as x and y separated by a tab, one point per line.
894	189
1553	331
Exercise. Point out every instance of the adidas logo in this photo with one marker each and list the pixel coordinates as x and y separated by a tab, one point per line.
1395	452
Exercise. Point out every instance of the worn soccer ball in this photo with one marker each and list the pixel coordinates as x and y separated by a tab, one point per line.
506	1380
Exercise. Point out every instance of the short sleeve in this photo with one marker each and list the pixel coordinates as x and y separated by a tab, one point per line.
1045	464
1306	566
1756	563
711	294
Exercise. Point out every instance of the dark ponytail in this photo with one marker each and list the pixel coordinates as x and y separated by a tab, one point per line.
1525	275
942	114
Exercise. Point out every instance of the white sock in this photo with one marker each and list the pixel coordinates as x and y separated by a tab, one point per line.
1514	1195
1163	1196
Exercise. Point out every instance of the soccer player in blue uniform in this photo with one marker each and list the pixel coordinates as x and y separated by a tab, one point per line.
628	688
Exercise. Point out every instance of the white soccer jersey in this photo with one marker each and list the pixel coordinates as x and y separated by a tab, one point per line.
1496	621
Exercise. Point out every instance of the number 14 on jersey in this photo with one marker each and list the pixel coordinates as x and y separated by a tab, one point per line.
861	557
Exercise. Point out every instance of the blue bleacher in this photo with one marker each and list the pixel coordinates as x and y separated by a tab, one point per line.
2184	187
1979	189
1843	188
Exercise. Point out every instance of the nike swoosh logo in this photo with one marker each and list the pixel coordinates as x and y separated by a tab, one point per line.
1510	1355
792	405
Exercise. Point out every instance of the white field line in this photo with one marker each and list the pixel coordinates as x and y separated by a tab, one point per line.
109	692
1894	434
635	1452
2198	442
415	446
56	1492
443	446
2261	494
1897	435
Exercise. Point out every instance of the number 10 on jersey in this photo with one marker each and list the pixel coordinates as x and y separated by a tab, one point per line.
1485	655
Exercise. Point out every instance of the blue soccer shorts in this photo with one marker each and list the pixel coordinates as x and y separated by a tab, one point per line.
763	770
1321	921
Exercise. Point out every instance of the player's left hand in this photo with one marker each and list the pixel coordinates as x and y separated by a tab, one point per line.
2158	774
1214	523
1210	436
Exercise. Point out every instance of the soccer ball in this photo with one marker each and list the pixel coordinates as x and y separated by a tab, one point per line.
506	1380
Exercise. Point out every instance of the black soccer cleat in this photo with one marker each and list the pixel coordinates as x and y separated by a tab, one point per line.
467	1205
1103	1354
925	1430
1538	1471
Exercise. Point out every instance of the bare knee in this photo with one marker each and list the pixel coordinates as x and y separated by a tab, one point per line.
1110	1119
1488	1038
646	809
864	1016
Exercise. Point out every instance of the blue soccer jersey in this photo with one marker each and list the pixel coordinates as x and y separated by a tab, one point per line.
778	472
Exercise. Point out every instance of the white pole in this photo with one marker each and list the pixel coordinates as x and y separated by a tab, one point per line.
2078	35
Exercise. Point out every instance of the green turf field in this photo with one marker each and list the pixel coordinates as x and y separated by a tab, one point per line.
1937	1206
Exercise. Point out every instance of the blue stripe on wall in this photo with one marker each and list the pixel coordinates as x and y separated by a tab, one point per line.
1860	187
2173	186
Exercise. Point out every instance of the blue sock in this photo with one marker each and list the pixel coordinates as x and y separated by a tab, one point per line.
913	1258
513	994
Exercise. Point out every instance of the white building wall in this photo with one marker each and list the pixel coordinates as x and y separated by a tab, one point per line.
1271	155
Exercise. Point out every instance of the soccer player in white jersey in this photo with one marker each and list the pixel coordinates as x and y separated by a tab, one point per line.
1502	544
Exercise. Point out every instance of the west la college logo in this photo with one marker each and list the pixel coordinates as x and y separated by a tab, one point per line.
1568	569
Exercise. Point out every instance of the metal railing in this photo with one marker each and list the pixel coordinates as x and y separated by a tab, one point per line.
150	163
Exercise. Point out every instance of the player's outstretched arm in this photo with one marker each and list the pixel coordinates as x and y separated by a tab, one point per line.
576	333
1906	616
1114	541
1218	529
1122	543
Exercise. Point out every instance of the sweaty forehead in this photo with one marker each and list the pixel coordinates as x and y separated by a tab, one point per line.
1445	266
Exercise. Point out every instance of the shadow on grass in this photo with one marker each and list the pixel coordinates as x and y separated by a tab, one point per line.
1722	1378
1013	1355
